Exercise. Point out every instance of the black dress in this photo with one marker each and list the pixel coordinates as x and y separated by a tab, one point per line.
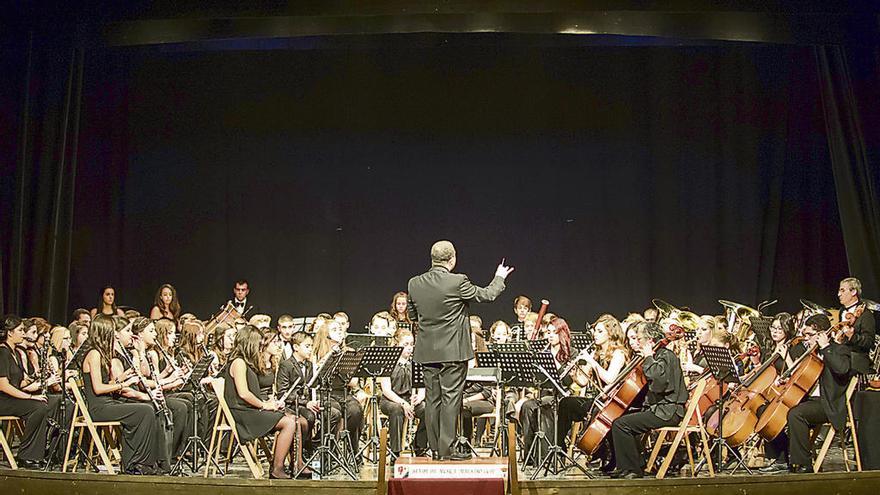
140	425
251	422
32	412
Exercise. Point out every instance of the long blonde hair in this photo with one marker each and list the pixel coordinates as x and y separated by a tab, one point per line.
616	339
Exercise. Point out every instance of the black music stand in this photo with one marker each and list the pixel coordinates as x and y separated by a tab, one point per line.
557	459
516	371
581	341
377	362
330	450
723	368
462	443
761	329
60	423
537	345
195	442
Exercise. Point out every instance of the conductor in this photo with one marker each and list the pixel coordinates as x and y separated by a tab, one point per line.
439	300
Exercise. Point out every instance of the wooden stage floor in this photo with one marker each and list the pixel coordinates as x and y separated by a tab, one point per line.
24	482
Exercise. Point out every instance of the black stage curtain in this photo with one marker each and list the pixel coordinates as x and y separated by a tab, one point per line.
41	85
606	175
853	143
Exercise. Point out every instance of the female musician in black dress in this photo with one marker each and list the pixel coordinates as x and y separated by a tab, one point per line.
400	401
140	423
601	368
107	303
17	398
143	332
270	353
166	304
559	344
255	417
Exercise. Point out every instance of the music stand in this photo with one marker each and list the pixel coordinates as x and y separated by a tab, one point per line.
581	341
195	442
377	362
723	368
537	345
761	328
557	459
330	449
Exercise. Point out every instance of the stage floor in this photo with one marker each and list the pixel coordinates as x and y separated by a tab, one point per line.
239	482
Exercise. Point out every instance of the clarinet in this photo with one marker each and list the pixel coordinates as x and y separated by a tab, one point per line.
173	362
160	407
169	422
43	363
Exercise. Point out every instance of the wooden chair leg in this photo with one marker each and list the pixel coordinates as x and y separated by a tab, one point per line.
824	450
855	436
655	451
667	461
707	452
7	450
687	444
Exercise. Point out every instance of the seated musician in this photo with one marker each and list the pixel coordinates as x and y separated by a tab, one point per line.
343	396
601	368
223	342
664	402
500	332
827	403
285	327
128	336
559	344
785	351
166	304
861	334
105	384
300	367
23	399
382	324
397	311
270	350
255	417
522	306
107	303
399	401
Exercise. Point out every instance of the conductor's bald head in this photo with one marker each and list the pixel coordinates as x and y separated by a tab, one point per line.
443	254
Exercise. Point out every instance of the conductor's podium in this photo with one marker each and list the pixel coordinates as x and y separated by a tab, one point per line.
422	476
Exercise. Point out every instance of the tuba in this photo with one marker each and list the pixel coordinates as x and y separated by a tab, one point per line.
739	312
684	318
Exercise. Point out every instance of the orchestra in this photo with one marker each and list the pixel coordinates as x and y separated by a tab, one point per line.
622	380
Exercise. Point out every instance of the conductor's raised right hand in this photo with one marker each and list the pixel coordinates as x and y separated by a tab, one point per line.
503	270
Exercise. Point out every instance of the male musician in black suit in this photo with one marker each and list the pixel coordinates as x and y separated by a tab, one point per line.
842	361
240	297
439	300
864	329
664	402
299	367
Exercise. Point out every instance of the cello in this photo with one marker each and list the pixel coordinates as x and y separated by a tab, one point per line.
619	395
802	378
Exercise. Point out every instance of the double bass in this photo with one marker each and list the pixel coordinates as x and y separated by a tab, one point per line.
619	395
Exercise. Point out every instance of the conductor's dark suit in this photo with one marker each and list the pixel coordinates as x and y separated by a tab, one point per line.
439	300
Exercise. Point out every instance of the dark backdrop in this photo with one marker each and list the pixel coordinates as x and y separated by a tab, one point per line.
606	175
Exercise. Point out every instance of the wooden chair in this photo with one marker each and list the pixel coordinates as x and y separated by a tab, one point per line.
4	442
224	423
691	423
851	423
83	422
